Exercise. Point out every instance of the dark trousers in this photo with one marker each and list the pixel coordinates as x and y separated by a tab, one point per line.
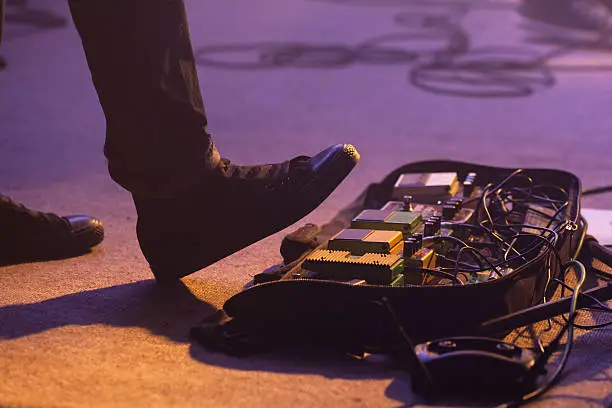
142	65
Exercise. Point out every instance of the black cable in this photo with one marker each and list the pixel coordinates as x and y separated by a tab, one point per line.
604	274
415	365
583	235
470	200
597	190
542	213
478	254
465	246
533	192
482	73
553	187
556	214
473	226
553	249
593	326
447	238
602	307
544	197
480	203
516	257
564	202
497	189
529	193
542	239
467	267
510	259
485	207
535	227
442	274
551	348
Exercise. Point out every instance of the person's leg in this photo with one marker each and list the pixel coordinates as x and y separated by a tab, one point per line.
193	208
142	65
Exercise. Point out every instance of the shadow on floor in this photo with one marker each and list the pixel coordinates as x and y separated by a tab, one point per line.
165	311
585	367
589	362
172	311
300	361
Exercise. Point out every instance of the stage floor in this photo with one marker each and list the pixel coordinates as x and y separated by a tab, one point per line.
280	78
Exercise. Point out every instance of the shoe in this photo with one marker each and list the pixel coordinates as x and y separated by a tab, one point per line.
234	208
29	235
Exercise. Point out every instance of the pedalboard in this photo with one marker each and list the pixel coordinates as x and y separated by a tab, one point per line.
449	244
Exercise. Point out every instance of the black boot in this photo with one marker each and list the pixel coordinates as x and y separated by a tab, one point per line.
237	206
28	235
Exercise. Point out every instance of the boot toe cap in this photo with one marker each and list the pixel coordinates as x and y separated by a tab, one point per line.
88	231
339	152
